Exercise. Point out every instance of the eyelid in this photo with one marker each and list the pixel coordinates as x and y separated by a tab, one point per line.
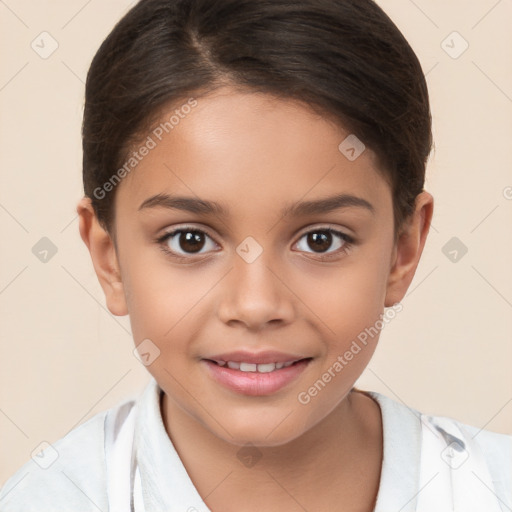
299	234
185	227
326	226
349	240
161	241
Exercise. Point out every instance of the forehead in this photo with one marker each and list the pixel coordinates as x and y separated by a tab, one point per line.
239	148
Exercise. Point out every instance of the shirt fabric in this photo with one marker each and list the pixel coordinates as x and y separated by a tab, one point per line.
122	460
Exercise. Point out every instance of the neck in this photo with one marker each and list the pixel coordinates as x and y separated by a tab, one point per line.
345	448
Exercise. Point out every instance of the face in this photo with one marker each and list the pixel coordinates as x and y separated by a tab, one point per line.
280	253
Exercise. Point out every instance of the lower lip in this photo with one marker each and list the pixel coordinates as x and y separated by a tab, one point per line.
255	383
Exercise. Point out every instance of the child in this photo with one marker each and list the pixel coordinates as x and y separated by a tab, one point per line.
253	175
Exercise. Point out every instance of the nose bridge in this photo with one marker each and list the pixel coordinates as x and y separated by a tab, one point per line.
254	293
255	275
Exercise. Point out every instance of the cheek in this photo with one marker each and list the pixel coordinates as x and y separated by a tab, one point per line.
349	298
163	300
349	303
168	303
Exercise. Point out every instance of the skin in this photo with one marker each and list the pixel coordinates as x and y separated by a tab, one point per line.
253	153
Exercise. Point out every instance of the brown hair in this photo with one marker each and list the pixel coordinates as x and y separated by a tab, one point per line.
345	59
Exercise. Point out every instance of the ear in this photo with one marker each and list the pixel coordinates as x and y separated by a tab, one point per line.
104	257
408	249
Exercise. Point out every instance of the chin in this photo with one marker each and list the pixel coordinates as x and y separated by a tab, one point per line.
269	432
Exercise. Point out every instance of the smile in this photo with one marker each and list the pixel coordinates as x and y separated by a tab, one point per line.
255	379
254	367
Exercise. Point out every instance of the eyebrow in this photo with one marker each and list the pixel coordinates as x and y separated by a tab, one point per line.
201	206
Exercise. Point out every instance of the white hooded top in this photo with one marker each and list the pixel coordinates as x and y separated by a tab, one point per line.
122	460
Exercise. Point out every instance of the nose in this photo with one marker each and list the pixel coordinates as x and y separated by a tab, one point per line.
255	295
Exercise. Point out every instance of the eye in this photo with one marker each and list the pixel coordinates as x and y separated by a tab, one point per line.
185	241
321	239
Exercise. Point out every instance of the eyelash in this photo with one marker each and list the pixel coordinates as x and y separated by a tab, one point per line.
161	241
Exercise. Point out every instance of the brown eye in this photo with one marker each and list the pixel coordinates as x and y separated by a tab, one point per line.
193	241
321	240
186	241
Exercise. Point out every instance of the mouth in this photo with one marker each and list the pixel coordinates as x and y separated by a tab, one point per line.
253	378
257	367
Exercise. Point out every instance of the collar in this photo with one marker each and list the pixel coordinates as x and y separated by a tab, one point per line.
165	482
400	472
166	485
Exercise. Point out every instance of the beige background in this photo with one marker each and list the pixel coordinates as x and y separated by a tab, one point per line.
64	357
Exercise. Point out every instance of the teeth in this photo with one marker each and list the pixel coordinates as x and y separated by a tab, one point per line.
265	368
253	367
248	367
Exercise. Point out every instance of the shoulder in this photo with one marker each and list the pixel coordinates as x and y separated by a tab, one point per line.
70	473
495	446
458	442
492	449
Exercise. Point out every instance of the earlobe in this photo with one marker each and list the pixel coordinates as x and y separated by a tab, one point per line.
104	257
408	249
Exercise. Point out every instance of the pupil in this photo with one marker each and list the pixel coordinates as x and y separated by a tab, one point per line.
321	240
191	242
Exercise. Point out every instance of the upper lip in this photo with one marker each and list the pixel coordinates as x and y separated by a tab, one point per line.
267	356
